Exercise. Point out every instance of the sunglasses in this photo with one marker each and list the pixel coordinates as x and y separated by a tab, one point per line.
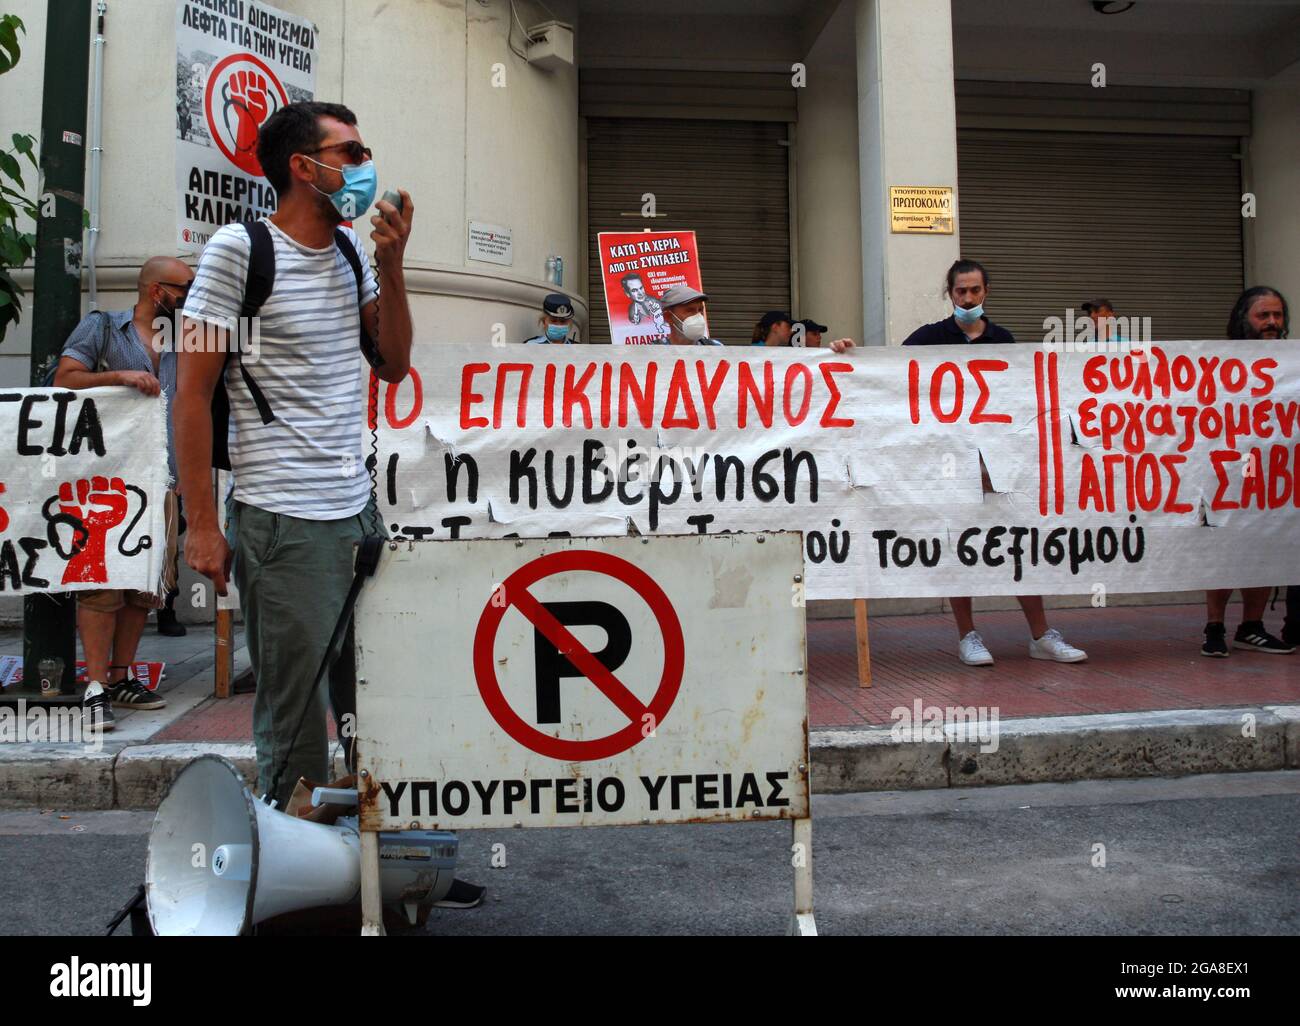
183	286
357	154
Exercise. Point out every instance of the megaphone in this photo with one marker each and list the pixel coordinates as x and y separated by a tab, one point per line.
220	861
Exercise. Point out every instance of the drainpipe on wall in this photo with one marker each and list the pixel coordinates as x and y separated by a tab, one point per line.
96	154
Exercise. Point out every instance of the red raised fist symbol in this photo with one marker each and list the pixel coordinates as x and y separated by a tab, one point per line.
100	505
248	93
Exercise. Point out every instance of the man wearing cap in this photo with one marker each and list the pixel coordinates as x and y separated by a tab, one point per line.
556	319
683	309
808	333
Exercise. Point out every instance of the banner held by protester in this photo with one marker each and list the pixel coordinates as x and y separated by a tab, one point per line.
912	473
81	493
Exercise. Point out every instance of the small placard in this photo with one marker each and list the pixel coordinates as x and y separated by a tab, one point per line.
490	243
921	209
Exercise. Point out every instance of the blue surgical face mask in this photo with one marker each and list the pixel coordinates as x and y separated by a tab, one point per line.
969	316
360	183
557	332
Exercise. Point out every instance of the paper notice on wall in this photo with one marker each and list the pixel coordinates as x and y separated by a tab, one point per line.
637	268
491	243
237	63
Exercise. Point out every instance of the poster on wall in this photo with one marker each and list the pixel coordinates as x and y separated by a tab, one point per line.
237	63
637	268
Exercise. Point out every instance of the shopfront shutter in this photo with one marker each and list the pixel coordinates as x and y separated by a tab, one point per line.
726	179
1130	193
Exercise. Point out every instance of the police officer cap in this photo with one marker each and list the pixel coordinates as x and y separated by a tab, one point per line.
557	305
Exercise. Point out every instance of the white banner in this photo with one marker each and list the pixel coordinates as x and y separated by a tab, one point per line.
237	63
926	471
81	490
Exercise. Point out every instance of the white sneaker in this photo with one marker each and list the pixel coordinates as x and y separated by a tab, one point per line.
1054	647
972	651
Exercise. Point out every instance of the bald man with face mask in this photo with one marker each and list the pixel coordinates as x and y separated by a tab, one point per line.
126	349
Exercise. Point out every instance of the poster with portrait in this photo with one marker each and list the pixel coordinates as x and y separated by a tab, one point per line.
637	268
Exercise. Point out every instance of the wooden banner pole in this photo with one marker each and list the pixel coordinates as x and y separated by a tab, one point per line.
864	649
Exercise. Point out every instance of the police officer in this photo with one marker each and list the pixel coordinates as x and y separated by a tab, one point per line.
556	320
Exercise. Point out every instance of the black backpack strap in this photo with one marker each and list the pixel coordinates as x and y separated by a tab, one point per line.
369	349
257	290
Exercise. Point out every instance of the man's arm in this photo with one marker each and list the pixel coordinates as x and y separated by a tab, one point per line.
197	374
388	320
72	373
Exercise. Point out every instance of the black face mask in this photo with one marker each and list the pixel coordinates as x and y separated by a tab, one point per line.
172	315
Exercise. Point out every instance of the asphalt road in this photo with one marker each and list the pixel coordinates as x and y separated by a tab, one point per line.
1199	855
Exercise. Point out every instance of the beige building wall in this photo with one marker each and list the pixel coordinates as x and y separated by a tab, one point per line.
1273	175
829	255
420	80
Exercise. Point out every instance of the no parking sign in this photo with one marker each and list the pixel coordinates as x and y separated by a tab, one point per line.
583	682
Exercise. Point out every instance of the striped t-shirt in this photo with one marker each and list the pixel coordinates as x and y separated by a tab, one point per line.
307	462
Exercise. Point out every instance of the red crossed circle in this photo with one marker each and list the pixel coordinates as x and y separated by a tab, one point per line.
515	588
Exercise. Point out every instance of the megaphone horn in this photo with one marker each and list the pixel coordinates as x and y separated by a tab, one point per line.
220	861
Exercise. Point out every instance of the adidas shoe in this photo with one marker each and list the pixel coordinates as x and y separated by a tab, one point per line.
97	708
129	693
1252	636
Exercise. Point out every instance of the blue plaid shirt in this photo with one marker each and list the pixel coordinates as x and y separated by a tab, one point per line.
122	349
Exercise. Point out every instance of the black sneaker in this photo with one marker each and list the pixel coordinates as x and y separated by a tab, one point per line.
461	895
1251	635
1216	645
97	708
169	626
129	693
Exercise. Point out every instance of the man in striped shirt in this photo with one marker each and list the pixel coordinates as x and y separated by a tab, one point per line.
301	497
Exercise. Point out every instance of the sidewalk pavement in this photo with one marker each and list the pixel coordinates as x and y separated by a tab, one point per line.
1146	703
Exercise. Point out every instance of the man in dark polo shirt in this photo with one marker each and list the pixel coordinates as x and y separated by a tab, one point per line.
967	286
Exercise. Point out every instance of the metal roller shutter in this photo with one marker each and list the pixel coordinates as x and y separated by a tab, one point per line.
1151	222
727	180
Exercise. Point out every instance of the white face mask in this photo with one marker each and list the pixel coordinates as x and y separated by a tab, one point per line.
693	327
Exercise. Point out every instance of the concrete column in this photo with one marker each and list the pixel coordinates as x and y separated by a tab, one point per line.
826	182
907	135
1275	180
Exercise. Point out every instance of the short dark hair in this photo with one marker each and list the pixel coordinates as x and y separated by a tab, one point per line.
1237	326
1093	305
964	267
294	128
629	277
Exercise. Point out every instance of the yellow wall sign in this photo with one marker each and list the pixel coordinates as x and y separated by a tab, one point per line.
920	209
